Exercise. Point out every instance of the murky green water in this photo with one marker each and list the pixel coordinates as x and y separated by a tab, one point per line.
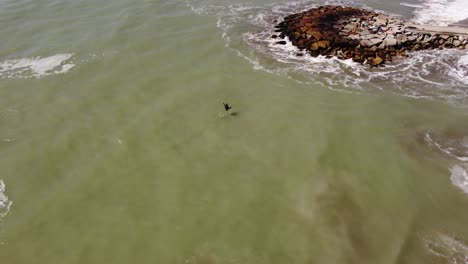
116	148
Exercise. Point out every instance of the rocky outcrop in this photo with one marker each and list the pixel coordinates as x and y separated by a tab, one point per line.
358	34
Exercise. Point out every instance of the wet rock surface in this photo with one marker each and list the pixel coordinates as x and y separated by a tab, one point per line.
358	34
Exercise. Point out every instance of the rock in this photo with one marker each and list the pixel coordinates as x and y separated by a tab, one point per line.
366	43
324	44
375	61
314	46
402	38
390	41
370	42
376	41
363	37
350	27
364	32
300	44
358	34
356	37
317	35
444	37
412	38
341	42
428	38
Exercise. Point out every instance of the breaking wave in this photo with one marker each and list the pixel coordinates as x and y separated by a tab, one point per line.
5	203
455	148
440	12
247	30
35	67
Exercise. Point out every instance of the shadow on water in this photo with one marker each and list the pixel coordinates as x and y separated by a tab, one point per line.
227	114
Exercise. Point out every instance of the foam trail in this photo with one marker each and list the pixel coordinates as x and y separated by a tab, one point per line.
441	12
5	203
35	67
411	5
457	148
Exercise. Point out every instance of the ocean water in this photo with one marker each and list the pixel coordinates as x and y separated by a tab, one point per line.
115	147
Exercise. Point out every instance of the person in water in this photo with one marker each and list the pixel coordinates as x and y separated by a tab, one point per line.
226	107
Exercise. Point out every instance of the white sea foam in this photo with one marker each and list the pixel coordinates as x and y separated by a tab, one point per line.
460	70
5	203
463	60
35	67
454	148
459	177
446	247
441	12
